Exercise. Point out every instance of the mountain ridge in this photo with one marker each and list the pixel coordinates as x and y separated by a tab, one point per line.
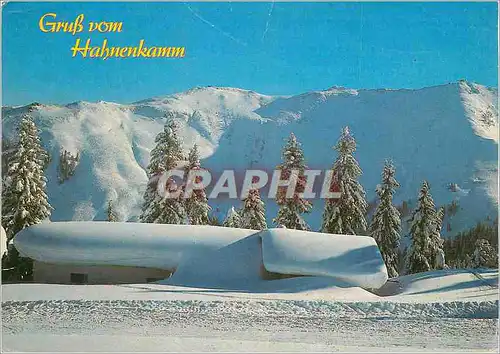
333	87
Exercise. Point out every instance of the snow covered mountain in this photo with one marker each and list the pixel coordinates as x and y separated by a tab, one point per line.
446	134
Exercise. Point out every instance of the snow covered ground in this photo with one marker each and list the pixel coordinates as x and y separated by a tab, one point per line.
437	311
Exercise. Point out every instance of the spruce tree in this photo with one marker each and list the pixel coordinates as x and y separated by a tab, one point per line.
424	232
171	209
468	261
67	165
196	205
484	255
346	214
291	209
253	213
8	151
456	248
436	252
233	219
24	197
111	212
165	156
214	220
385	227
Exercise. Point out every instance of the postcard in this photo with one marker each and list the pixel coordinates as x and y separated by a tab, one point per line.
249	176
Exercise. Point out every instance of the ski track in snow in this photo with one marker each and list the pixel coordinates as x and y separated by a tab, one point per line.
271	325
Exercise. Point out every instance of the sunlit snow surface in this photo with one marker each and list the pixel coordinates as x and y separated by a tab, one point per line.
445	311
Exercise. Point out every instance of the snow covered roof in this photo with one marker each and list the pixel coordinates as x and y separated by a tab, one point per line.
354	259
126	244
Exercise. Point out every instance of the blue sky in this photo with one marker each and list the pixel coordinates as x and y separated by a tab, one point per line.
281	48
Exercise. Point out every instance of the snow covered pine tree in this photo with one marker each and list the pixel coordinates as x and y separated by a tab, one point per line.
385	227
289	214
24	199
233	219
253	213
346	215
8	151
484	255
196	205
67	165
111	212
425	239
436	252
165	156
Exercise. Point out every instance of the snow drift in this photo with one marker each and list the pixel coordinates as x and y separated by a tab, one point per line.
207	255
235	266
354	259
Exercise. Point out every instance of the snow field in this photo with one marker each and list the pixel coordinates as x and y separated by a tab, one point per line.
16	311
470	336
430	287
315	314
245	326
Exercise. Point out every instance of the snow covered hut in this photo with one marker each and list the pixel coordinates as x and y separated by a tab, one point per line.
113	253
